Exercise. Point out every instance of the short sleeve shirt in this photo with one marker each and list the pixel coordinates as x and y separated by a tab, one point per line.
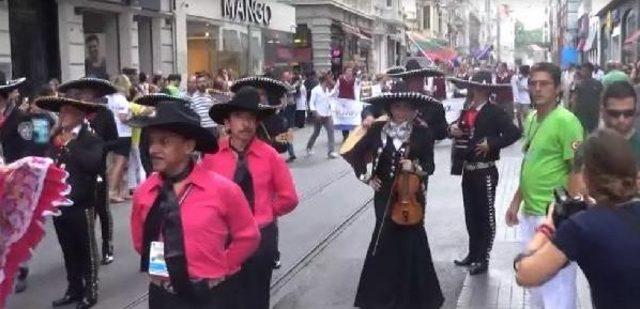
550	144
606	244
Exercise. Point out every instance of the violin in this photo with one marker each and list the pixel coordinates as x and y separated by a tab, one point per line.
406	209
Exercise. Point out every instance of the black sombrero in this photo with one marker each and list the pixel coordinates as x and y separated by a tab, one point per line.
245	99
395	70
400	93
155	99
54	103
180	119
270	85
480	79
7	86
414	68
104	87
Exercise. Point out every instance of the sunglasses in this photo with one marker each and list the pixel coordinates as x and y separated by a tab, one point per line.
626	113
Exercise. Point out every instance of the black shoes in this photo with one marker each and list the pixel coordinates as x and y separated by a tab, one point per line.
467	261
107	254
478	268
21	280
87	302
68	298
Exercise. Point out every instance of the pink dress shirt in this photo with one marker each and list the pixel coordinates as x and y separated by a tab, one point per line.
213	212
274	192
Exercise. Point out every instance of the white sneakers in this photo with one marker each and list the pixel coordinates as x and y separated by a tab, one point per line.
331	155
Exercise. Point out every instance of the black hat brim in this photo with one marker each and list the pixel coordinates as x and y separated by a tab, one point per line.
270	85
425	72
416	99
12	85
154	99
220	112
54	104
205	140
395	70
466	84
104	87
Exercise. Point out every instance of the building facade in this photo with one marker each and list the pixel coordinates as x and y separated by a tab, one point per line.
340	32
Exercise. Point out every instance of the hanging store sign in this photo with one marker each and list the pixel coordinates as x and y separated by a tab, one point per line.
250	11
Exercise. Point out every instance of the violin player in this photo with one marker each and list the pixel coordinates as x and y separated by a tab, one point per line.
398	271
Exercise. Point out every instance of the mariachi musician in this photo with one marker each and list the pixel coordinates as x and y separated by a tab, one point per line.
275	129
103	124
414	75
398	268
79	151
486	129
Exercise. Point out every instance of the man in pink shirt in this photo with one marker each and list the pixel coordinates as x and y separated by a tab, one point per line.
264	178
192	227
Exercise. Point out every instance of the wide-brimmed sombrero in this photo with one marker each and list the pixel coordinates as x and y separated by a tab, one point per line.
414	68
395	70
480	79
246	99
7	86
400	93
54	103
272	86
180	119
154	99
102	86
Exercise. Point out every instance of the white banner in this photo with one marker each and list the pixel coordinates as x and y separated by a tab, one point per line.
452	108
347	112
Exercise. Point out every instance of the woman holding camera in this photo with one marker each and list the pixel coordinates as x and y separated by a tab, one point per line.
604	239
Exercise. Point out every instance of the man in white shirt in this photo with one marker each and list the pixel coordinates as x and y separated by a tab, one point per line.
201	102
320	104
520	86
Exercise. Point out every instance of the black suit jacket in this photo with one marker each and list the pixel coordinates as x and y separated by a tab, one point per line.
82	158
494	124
14	146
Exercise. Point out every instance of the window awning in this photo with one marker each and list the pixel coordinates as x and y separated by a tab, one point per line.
355	31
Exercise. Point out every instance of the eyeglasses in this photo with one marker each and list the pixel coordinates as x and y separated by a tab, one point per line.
617	113
542	83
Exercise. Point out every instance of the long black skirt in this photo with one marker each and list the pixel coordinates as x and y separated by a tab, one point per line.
401	274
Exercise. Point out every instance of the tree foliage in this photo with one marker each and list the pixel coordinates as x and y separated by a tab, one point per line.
525	37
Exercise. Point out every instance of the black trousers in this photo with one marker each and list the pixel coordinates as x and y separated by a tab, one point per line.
256	272
478	193
103	212
223	296
75	230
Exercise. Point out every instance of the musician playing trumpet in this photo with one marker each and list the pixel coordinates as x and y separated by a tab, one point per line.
398	271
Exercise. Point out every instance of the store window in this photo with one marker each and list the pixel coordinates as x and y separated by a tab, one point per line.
630	27
426	17
102	52
202	42
605	54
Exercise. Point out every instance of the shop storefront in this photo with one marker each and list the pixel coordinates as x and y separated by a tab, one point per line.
241	36
620	31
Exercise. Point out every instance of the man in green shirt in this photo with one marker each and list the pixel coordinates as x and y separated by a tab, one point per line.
173	84
551	136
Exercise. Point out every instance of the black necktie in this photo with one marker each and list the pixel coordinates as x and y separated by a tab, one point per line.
242	177
164	217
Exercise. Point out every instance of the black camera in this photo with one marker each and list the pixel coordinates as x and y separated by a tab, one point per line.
566	206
